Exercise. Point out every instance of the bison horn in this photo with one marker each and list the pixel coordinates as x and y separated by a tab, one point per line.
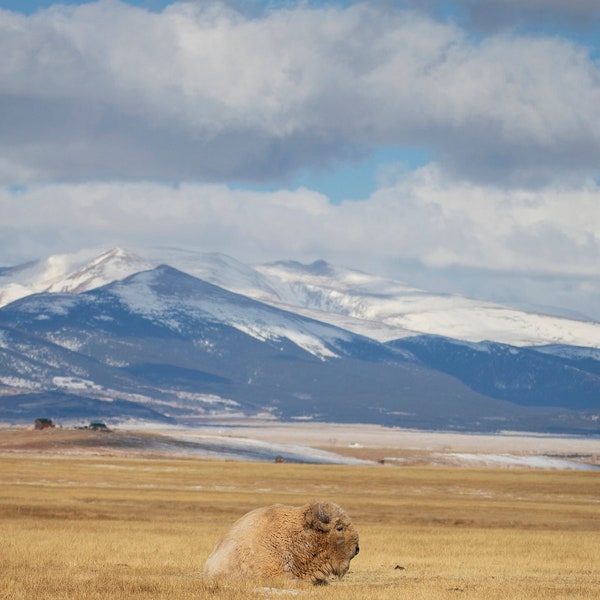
321	514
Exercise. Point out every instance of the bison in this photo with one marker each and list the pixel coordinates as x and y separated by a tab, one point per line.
312	542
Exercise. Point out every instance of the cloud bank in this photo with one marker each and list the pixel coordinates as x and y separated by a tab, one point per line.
423	228
552	231
203	92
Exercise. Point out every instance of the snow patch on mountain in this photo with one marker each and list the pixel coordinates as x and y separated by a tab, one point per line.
218	269
246	315
572	352
78	272
75	383
361	303
400	311
109	266
19	383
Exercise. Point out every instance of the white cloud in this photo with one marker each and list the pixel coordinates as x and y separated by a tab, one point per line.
65	217
423	218
202	92
444	224
517	246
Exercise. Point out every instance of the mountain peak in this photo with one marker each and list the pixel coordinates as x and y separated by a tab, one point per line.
318	268
116	263
115	253
363	303
78	272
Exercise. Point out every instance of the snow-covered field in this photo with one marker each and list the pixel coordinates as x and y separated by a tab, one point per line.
405	446
317	443
242	448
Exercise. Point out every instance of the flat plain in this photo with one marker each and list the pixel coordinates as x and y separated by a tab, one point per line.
128	525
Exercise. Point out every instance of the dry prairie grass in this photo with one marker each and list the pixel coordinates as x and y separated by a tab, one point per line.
133	528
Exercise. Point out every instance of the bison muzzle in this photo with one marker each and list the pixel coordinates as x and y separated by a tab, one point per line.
313	542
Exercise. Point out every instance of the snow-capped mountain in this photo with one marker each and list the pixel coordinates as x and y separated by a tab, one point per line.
401	311
184	348
178	335
77	272
365	304
380	308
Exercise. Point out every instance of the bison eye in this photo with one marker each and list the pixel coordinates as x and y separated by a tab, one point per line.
340	527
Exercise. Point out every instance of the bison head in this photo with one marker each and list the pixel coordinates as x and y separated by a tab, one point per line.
335	535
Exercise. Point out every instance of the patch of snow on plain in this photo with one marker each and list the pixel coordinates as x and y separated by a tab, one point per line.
511	460
230	448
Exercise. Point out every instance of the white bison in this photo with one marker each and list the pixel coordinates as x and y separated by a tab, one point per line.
311	542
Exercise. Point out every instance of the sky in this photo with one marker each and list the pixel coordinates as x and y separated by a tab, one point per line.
450	144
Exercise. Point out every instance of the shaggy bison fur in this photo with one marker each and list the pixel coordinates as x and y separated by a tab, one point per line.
312	542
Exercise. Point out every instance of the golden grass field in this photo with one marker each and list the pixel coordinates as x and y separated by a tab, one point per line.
108	526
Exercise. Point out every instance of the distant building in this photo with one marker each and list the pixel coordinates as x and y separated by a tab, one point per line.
43	424
98	427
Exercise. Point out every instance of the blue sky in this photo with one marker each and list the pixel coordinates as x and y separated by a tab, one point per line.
451	144
30	6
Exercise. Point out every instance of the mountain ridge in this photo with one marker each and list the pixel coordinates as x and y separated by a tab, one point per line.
217	361
164	343
370	305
